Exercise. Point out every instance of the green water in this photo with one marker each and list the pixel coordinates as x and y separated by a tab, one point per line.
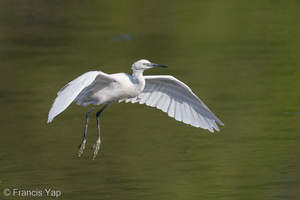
241	58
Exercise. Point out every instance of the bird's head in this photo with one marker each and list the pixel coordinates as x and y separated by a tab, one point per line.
145	64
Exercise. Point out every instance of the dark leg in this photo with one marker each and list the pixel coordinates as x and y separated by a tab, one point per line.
96	146
82	144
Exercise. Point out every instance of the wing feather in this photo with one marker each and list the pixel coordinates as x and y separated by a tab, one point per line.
164	102
176	99
69	92
178	111
186	118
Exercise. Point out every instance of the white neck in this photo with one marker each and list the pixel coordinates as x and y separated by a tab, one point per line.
138	76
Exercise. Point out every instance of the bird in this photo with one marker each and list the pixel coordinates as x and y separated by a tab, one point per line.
164	92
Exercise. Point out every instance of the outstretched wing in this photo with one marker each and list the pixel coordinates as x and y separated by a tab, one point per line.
175	98
69	92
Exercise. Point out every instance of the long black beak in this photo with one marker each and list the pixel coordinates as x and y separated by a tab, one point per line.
156	65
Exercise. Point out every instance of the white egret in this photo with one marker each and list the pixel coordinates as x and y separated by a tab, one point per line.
163	92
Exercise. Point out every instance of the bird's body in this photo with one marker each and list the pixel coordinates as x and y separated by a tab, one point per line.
107	89
163	92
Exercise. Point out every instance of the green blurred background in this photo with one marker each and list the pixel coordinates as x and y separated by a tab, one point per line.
241	58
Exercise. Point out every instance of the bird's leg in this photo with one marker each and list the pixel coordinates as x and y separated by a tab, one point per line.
82	144
96	146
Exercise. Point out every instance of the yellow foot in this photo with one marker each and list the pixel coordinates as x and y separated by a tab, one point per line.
96	148
81	148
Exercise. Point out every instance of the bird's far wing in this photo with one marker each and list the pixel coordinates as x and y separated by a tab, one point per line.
69	92
175	98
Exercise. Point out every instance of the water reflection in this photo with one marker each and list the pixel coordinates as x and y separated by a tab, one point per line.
241	58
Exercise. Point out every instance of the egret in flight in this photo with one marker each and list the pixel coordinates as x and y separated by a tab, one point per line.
163	92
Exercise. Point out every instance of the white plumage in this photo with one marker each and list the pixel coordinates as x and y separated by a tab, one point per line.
175	98
163	92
